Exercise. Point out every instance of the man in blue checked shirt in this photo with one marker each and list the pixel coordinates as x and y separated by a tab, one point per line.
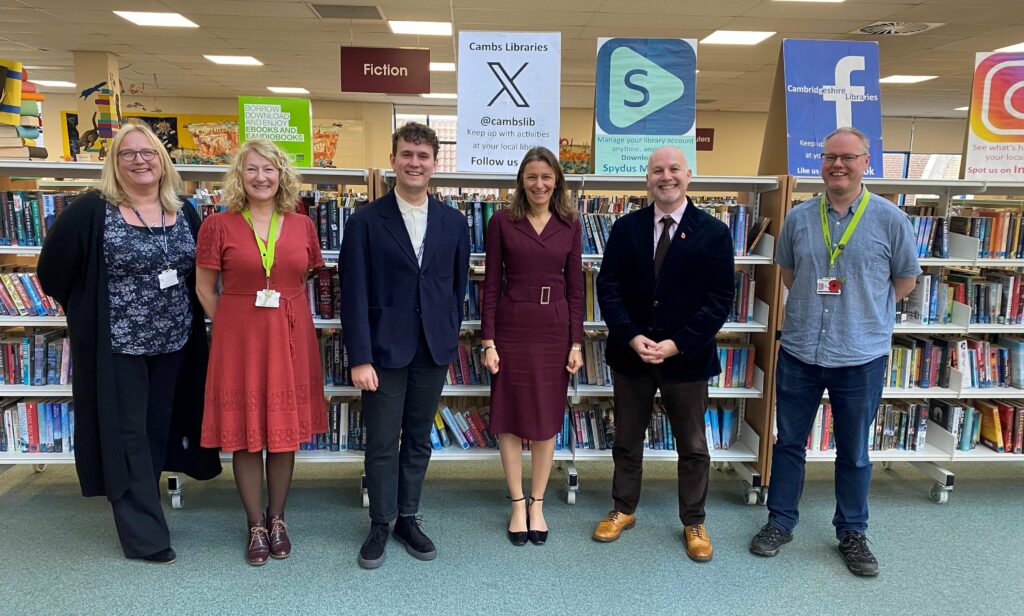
847	257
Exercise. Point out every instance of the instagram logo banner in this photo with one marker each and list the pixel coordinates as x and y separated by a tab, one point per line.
995	141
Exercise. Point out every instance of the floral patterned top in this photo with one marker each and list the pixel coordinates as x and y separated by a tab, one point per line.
145	319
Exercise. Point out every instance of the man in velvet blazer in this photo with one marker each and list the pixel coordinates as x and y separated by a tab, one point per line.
665	289
404	267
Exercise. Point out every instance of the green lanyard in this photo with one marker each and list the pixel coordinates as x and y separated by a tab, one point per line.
266	250
833	253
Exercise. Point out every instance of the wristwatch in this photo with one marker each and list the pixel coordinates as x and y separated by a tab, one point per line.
576	347
483	349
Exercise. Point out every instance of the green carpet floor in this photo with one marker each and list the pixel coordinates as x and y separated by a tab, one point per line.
59	552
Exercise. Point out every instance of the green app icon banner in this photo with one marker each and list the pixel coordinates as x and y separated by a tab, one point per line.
645	97
288	122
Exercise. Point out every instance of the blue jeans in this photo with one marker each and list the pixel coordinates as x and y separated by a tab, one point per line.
855	393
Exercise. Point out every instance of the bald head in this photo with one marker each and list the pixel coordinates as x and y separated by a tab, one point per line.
668	176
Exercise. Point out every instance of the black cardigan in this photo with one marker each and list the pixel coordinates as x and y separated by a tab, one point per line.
72	269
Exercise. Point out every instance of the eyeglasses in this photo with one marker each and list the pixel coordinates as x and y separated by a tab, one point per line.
129	155
846	158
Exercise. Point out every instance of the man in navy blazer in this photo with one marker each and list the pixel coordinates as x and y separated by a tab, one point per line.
404	266
665	289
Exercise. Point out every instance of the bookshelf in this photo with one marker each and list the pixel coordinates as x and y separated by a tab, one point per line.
940	446
765	196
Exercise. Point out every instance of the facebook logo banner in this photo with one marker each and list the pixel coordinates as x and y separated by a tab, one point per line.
830	84
645	97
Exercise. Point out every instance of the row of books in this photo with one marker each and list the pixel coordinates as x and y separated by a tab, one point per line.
998	424
25	215
469	369
323	291
42	357
595	370
896	426
329	215
993	296
21	295
923	362
998	231
334	359
737	364
37	425
932	236
593	427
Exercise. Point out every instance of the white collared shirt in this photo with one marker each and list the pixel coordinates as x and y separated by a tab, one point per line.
677	217
415	218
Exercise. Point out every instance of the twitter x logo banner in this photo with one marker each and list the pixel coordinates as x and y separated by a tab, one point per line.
830	84
645	97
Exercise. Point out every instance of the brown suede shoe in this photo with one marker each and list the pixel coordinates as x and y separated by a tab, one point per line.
280	544
258	550
698	544
612	525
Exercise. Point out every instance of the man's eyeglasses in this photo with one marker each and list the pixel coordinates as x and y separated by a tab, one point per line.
129	155
846	158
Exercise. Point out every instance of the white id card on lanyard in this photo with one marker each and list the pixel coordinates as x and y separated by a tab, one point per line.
168	278
268	298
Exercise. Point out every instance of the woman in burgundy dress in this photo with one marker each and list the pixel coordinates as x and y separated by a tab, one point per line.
533	316
264	387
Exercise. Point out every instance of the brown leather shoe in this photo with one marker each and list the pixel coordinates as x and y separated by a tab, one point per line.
612	525
280	544
258	550
698	544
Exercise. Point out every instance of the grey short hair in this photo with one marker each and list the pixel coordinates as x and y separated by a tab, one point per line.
849	130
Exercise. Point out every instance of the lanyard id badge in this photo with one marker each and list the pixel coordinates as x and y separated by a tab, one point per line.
830	285
168	277
266	297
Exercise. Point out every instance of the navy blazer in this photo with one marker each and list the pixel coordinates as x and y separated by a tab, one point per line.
689	302
387	298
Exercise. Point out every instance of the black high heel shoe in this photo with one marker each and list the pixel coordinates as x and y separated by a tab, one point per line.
518	538
536	537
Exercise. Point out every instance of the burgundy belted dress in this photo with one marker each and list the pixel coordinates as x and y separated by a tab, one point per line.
533	310
264	387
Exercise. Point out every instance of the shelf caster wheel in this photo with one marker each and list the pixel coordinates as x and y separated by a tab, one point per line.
177	501
939	494
174	492
886	466
727	467
717	466
570	497
39	467
762	497
751	496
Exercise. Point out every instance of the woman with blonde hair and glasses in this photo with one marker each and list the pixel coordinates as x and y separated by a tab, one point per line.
121	261
264	388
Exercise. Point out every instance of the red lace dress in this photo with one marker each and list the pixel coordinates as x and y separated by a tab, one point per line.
264	385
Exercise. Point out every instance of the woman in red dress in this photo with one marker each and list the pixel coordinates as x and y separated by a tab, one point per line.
264	387
533	316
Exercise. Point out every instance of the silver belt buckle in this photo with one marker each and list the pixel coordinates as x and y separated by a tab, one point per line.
545	295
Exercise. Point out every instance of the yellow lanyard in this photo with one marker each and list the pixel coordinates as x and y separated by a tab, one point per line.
833	253
266	249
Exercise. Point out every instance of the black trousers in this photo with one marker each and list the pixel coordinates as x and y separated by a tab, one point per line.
685	404
401	411
145	396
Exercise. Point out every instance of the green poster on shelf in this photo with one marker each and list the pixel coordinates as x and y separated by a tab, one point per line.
288	122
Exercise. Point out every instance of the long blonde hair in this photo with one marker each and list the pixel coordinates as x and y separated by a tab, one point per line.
288	183
110	178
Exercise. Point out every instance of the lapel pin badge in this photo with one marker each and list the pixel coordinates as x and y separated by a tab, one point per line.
682	235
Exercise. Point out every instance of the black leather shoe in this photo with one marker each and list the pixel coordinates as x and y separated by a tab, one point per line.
372	554
163	557
859	559
537	537
768	540
518	537
410	534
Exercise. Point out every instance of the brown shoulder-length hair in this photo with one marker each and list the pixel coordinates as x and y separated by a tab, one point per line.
560	205
288	184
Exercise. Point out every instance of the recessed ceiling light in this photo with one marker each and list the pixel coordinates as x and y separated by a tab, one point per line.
440	95
241	60
735	37
906	78
287	90
960	109
1017	47
53	84
443	67
166	20
423	28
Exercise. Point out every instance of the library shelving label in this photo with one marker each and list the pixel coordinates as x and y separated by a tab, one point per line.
646	97
506	103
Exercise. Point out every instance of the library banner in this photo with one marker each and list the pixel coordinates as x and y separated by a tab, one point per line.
995	138
509	98
645	97
288	122
830	84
